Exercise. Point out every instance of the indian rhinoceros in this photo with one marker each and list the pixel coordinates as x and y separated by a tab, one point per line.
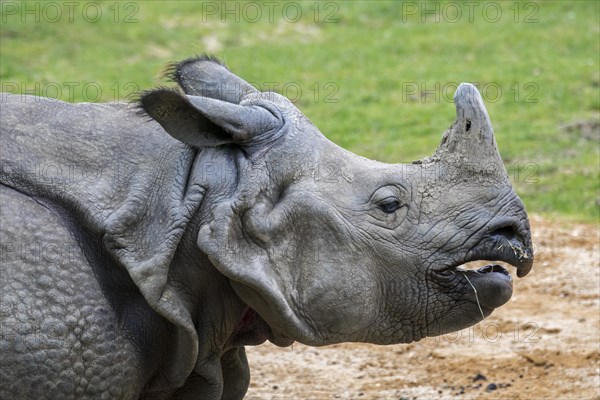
145	244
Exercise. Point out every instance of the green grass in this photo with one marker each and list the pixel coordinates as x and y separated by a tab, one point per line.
372	54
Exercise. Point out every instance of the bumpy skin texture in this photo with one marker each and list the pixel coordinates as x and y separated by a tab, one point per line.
138	265
60	336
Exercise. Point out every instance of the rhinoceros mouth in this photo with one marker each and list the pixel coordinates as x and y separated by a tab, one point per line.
487	269
491	284
499	247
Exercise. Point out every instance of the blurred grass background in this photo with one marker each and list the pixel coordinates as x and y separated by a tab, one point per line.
376	77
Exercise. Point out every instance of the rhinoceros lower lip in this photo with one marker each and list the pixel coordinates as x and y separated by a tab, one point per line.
491	284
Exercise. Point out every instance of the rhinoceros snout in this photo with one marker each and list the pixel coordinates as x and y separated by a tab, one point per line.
515	238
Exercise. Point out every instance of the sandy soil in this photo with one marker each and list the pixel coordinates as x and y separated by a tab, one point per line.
543	344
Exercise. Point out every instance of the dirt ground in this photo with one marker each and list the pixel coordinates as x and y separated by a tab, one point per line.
543	344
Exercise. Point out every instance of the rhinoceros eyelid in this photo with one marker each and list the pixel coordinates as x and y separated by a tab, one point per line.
388	199
388	192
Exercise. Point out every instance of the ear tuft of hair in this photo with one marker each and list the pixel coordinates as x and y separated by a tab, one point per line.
173	70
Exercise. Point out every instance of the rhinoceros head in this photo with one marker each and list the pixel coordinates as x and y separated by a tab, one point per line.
328	246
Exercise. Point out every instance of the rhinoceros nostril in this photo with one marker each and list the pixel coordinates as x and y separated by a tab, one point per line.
507	228
513	243
506	231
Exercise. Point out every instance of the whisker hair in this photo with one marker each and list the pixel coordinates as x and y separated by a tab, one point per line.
476	297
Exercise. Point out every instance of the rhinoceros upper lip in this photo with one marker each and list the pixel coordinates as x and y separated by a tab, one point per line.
510	251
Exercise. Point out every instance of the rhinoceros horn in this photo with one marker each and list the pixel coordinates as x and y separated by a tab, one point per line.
470	141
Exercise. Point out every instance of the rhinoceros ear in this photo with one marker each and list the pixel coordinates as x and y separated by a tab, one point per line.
207	76
205	122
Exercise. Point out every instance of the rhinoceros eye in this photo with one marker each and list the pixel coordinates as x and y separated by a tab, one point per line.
389	198
388	206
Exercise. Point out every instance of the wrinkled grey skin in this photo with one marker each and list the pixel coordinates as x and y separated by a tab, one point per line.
137	263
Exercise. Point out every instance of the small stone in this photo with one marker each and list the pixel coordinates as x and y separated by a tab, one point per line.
491	387
536	359
479	377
